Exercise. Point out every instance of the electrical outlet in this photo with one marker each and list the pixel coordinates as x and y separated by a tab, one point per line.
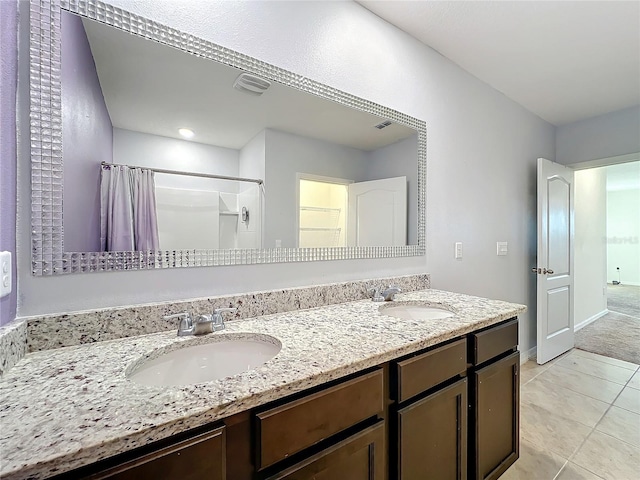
5	273
458	250
502	248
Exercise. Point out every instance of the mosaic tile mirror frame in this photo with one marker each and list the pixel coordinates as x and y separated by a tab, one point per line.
47	234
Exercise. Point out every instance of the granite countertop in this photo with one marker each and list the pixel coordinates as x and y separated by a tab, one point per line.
65	408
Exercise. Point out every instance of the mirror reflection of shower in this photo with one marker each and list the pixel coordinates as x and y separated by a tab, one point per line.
159	209
208	218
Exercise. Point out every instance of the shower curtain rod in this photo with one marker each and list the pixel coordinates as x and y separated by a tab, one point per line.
259	181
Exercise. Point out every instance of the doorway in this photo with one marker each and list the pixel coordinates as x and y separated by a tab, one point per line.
608	260
322	211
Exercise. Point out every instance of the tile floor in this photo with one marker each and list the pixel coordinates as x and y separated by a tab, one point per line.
579	419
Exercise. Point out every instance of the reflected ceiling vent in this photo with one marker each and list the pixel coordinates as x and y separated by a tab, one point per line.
251	84
384	124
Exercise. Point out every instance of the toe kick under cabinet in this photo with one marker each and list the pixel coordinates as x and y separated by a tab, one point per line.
447	412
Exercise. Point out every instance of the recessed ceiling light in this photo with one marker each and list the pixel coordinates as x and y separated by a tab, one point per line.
186	132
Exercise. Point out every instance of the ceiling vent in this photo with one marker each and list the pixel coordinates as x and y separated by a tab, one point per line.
384	124
251	84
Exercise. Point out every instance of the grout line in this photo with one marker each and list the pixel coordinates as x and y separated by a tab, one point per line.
602	378
572	456
634	368
566	462
585	394
594	428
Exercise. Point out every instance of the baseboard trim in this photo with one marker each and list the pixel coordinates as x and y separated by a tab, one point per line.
528	355
589	320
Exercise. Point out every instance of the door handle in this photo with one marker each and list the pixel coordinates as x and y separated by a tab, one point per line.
545	271
536	270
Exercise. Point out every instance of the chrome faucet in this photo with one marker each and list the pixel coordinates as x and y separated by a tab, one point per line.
204	323
389	293
375	294
185	326
216	318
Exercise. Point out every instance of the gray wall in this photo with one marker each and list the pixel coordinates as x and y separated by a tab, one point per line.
609	135
285	155
481	154
8	76
623	234
146	150
590	248
396	160
87	141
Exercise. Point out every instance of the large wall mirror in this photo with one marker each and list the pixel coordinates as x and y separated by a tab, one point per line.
166	150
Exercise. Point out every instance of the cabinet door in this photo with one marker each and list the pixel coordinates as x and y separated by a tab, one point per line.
496	412
198	458
359	457
432	436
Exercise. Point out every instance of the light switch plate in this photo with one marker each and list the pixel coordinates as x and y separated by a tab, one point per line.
458	250
5	273
502	248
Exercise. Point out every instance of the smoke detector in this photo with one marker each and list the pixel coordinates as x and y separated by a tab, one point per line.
251	84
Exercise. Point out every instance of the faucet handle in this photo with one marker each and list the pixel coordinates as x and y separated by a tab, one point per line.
217	318
185	326
389	293
219	311
376	296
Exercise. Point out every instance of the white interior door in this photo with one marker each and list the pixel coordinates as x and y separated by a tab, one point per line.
555	260
377	213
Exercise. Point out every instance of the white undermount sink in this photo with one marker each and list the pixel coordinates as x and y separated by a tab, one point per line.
416	312
204	362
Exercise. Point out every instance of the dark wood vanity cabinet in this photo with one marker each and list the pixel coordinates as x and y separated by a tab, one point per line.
494	393
336	432
432	436
429	422
200	457
448	412
359	457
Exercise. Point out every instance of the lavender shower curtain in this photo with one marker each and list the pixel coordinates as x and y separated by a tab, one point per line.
128	219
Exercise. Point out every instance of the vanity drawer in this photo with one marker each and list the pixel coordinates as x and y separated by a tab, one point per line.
424	371
294	426
493	341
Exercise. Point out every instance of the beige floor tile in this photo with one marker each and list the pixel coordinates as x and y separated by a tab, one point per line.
635	381
629	399
556	434
596	368
589	385
609	457
534	462
571	471
609	360
563	402
621	424
530	370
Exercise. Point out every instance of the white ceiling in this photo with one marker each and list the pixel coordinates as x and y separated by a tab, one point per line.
153	88
562	60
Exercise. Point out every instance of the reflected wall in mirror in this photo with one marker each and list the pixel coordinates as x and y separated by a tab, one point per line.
125	99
